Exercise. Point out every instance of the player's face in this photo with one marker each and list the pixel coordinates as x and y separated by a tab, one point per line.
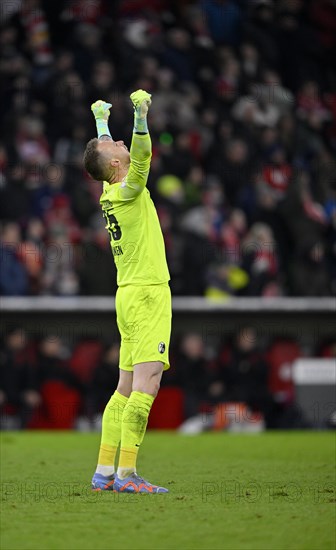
115	150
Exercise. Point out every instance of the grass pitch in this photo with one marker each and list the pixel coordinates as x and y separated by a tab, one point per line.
267	491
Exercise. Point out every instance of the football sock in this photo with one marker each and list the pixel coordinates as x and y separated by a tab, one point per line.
134	424
111	433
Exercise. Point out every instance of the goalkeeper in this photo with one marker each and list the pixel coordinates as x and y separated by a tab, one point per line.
143	300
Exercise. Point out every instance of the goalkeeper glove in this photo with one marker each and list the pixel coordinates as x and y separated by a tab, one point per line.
141	101
101	112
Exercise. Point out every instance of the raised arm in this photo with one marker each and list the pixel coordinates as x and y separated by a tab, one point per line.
141	147
133	168
101	112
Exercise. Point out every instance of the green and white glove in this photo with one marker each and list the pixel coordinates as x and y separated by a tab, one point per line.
141	101
101	112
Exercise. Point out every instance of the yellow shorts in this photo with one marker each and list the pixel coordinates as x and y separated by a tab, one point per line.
144	322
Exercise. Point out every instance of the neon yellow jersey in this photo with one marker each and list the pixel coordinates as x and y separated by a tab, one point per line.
132	221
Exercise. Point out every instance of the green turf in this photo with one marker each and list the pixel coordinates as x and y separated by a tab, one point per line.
268	491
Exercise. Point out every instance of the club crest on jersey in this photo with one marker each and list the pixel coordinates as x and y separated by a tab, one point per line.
161	347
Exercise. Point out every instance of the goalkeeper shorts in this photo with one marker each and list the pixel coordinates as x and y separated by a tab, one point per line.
144	322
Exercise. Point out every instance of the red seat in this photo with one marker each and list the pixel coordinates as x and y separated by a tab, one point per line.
60	407
85	359
167	410
281	356
329	351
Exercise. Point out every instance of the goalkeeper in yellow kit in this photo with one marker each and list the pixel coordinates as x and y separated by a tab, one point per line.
143	300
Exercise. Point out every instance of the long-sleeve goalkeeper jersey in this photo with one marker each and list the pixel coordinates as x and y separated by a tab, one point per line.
132	221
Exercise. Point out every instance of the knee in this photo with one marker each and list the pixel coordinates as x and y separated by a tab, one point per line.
155	389
125	383
150	387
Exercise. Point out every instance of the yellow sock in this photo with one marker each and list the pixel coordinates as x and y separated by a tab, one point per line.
111	433
134	424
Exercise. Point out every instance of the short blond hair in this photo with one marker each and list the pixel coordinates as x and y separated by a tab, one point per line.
93	161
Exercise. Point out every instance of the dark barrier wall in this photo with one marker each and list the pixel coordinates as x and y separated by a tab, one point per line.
309	321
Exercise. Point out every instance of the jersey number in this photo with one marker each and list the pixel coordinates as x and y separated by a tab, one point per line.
113	226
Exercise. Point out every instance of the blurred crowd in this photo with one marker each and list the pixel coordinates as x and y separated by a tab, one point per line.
243	129
50	383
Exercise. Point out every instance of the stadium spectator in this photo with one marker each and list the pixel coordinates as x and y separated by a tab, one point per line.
19	384
96	271
61	390
260	260
193	372
104	380
224	18
242	377
13	275
32	254
59	277
52	361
